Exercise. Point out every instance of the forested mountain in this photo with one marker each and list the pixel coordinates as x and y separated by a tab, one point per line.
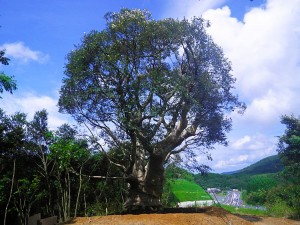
240	179
271	164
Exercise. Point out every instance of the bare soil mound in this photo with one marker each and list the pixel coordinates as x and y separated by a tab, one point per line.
200	216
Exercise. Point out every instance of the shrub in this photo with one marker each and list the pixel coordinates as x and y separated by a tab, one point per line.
257	198
284	201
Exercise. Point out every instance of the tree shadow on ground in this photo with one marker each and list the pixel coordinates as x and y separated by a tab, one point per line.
249	218
71	221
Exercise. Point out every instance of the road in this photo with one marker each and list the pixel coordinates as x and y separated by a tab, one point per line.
233	198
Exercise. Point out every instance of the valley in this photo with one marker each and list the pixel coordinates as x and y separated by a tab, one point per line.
245	190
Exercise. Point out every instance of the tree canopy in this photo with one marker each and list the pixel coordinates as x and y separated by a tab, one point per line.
289	146
7	83
152	88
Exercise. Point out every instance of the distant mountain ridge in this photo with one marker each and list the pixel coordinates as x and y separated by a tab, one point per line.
271	164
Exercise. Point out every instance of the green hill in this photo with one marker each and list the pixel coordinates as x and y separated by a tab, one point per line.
271	164
188	191
187	186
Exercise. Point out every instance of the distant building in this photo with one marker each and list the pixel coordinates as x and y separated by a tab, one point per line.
213	190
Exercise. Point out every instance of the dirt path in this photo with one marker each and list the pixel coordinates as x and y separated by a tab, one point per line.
212	216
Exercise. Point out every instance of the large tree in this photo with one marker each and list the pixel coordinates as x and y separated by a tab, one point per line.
152	89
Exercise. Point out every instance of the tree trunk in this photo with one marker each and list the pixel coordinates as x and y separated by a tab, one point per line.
78	193
145	190
11	190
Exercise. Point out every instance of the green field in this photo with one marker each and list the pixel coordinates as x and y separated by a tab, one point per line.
188	191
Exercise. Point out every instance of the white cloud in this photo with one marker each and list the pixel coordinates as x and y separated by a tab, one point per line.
29	103
232	162
20	51
242	151
257	143
264	50
241	142
268	107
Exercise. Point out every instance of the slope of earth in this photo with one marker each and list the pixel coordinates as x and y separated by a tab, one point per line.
212	215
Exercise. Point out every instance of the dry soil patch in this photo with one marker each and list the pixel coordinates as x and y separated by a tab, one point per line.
210	216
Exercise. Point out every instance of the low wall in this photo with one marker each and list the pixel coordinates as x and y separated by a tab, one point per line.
196	203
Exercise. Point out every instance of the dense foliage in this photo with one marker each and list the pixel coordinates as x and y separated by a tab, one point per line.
289	148
258	187
49	172
284	200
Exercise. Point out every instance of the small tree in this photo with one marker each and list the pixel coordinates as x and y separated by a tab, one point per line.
152	89
289	147
284	199
12	155
67	151
39	142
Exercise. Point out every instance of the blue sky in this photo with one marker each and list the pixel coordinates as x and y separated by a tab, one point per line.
261	38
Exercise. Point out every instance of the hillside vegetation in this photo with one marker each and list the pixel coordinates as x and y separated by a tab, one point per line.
240	179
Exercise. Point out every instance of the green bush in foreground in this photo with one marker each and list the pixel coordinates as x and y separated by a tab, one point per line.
284	201
281	209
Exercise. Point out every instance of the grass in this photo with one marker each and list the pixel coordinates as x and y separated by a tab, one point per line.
188	191
245	211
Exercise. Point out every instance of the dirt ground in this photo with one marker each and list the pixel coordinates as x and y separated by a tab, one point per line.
210	216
